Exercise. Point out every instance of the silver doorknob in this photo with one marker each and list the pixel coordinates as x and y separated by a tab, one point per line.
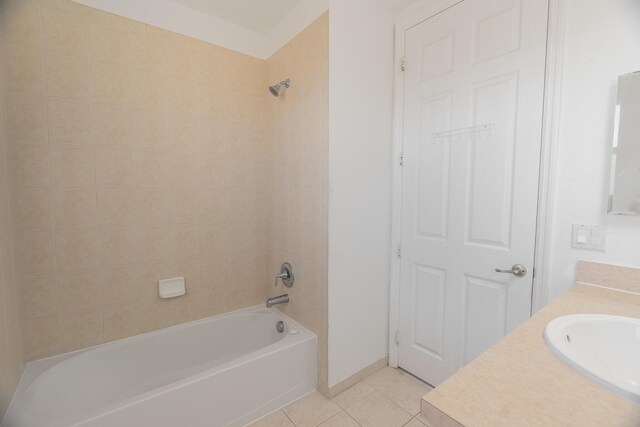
517	270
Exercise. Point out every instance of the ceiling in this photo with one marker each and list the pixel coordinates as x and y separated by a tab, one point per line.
396	5
255	15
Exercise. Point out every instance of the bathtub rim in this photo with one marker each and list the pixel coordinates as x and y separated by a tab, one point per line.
33	369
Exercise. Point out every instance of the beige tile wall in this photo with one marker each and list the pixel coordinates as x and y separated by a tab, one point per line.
298	220
11	354
137	154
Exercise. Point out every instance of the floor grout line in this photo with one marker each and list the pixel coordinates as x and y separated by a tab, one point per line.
373	388
289	418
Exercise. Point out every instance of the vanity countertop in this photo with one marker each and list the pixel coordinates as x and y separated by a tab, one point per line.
519	382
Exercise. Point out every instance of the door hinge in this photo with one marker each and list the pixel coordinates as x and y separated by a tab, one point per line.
401	159
399	251
396	338
403	64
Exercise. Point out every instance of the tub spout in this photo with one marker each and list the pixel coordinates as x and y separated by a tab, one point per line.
280	299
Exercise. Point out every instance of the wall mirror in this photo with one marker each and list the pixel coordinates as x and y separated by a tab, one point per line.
624	190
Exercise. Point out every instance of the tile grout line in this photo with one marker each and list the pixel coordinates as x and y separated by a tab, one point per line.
285	414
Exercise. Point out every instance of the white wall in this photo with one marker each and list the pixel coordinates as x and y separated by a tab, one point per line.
602	41
175	17
360	116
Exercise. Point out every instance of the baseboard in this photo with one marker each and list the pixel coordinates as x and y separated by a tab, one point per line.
357	377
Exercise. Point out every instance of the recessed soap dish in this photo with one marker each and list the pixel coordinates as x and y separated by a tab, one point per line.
171	288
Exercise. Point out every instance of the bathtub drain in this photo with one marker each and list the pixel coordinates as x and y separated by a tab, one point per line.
280	326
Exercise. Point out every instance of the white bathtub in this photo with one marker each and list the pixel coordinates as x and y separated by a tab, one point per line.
222	371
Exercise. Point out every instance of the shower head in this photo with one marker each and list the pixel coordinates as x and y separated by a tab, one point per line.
275	89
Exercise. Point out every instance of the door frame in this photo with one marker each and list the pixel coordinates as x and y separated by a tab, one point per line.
556	28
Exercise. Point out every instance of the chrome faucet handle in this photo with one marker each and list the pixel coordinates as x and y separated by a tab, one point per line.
286	274
282	276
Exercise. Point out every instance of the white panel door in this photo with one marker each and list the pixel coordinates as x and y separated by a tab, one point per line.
474	85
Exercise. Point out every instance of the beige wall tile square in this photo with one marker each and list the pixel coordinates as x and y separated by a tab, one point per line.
186	206
119	246
249	265
182	135
214	206
145	91
67	77
215	172
144	52
40	296
109	84
158	244
210	102
121	321
109	125
210	137
31	165
156	314
176	58
81	330
218	299
184	170
192	306
215	270
114	168
35	252
33	208
152	207
180	97
5	217
76	250
207	66
147	130
79	291
64	32
214	238
74	208
20	23
42	337
122	284
26	117
68	122
108	43
24	68
186	240
72	167
116	206
150	169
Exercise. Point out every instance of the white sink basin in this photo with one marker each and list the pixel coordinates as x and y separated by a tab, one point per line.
605	349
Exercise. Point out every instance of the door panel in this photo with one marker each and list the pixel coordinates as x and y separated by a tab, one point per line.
472	129
485	312
429	288
491	162
433	186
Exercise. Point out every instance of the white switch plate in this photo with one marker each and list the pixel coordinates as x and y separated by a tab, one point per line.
590	237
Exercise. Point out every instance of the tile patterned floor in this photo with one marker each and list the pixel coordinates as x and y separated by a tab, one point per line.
388	398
